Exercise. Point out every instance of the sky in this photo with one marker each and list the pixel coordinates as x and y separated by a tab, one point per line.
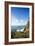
19	16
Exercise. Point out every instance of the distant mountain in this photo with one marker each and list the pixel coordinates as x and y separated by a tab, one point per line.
15	28
19	28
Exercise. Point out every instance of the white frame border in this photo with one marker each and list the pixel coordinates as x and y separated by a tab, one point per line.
30	27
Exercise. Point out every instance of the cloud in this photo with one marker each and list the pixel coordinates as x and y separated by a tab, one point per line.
17	22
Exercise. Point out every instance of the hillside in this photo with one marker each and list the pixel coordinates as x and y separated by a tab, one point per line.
24	34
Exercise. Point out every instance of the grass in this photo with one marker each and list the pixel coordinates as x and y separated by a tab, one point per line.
24	34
